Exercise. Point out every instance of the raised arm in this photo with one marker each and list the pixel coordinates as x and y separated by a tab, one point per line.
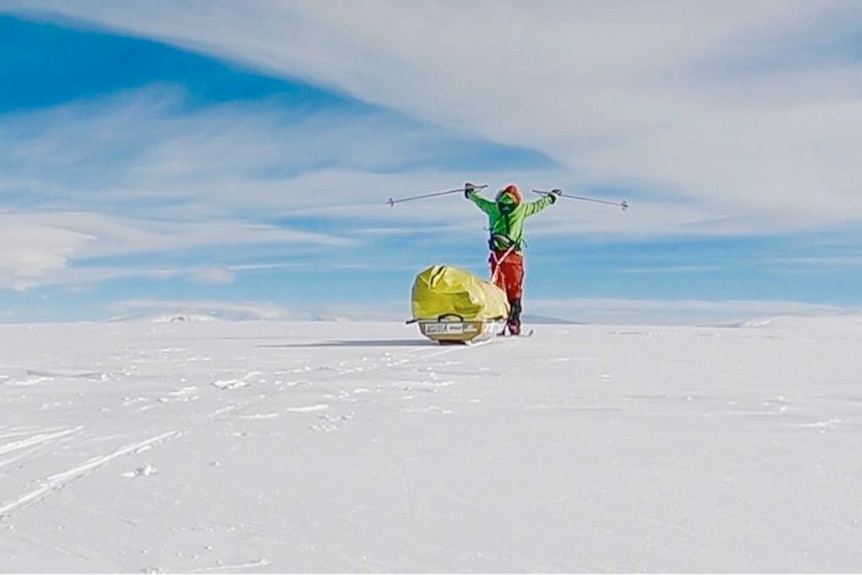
471	194
537	206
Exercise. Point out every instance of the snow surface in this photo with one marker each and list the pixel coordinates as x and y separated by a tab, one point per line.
266	446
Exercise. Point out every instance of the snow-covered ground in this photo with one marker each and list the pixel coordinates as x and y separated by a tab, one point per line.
264	446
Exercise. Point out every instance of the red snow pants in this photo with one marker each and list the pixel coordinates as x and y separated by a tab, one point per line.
508	274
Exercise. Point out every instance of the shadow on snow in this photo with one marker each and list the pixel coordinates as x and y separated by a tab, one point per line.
357	343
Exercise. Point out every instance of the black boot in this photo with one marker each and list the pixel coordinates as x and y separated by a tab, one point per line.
514	322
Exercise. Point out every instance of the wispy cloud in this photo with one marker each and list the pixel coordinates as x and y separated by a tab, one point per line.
28	250
40	249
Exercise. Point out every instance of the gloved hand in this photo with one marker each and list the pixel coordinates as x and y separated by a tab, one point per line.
554	194
468	189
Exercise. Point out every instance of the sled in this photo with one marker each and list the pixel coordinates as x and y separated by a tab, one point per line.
452	305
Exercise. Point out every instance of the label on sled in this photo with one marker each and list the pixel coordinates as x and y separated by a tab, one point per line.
449	328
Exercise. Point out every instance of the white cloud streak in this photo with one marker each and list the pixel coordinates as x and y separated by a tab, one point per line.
37	249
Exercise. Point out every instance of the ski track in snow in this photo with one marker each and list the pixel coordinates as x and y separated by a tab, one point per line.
62	479
256	564
38	439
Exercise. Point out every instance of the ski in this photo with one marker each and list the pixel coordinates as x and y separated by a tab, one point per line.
528	333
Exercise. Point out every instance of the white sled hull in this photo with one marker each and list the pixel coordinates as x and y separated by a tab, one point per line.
460	331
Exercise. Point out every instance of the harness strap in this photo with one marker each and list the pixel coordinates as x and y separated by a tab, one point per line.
499	261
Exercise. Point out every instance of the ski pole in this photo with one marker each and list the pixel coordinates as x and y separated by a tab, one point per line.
393	201
623	204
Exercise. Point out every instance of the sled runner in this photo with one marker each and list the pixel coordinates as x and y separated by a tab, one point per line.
452	305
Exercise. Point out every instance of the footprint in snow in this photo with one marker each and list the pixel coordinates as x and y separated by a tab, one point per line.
142	471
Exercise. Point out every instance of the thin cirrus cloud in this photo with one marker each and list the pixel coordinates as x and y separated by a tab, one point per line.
37	248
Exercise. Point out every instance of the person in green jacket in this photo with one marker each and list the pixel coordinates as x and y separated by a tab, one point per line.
506	215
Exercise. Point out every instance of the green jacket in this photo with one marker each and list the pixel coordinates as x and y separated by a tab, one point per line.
508	229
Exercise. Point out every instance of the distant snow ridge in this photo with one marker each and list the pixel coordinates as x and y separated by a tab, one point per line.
181	318
850	321
169	318
760	322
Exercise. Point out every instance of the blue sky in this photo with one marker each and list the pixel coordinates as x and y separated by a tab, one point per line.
174	156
